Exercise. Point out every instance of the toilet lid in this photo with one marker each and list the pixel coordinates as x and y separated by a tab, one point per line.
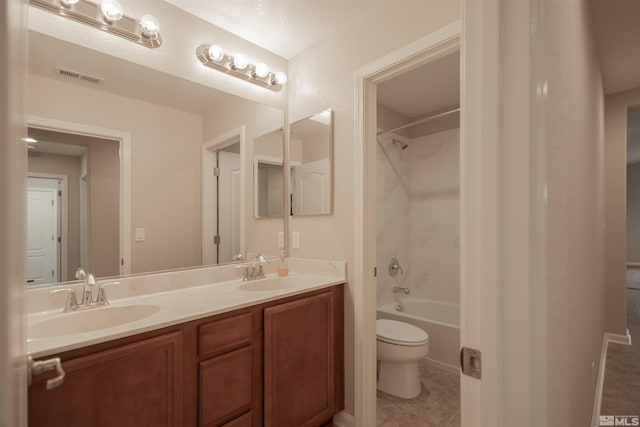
400	332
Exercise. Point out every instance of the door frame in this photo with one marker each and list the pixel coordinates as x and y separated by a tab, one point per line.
209	211
433	46
124	143
64	219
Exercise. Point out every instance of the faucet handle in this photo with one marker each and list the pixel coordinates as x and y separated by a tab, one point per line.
102	296
80	274
72	301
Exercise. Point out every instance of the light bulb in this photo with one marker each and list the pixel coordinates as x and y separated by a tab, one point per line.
281	78
262	70
111	10
68	3
150	26
215	53
240	61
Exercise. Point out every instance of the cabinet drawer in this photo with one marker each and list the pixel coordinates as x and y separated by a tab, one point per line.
215	337
226	386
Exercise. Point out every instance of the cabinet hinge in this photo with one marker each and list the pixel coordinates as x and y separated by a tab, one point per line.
216	240
471	362
216	171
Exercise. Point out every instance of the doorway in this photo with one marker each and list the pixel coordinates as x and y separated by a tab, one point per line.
223	198
45	257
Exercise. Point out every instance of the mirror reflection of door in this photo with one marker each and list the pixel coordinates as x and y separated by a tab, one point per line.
88	209
222	200
229	207
44	218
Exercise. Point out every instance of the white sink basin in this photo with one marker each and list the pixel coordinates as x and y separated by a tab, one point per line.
273	284
89	320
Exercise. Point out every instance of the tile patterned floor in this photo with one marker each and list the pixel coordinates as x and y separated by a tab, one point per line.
621	393
438	405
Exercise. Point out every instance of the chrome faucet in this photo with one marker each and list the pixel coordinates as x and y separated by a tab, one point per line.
399	290
253	269
89	283
86	300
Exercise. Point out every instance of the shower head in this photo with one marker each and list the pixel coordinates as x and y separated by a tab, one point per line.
400	144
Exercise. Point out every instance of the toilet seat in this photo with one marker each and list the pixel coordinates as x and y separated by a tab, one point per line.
400	333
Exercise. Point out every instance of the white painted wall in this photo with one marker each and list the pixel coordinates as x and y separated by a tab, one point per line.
13	160
575	232
323	77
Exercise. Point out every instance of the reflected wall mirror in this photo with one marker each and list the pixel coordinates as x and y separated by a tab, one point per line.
268	175
179	188
312	164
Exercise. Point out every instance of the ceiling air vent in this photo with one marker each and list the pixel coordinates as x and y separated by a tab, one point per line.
78	76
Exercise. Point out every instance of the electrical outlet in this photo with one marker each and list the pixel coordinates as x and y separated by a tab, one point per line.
281	239
295	244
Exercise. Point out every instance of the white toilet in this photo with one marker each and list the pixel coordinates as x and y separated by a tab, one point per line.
400	346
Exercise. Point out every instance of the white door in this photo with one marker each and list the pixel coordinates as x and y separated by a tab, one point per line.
229	198
42	231
311	187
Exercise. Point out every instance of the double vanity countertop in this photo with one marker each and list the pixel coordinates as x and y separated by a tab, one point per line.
148	302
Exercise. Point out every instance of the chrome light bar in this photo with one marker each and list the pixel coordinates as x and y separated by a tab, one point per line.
213	57
107	17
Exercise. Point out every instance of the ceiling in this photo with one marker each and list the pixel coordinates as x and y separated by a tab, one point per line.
284	27
431	87
617	29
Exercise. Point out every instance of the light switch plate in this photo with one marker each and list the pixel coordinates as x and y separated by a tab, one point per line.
281	239
139	234
295	244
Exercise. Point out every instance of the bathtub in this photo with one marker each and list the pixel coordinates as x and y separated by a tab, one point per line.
440	320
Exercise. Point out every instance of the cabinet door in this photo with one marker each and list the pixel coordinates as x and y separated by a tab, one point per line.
133	385
299	364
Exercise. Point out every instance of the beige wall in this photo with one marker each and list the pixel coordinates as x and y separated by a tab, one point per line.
104	208
70	167
165	164
616	106
575	212
379	30
633	213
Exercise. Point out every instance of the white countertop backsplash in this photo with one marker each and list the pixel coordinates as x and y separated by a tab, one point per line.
182	295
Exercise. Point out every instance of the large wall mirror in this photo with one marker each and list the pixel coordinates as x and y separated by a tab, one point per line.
135	170
312	164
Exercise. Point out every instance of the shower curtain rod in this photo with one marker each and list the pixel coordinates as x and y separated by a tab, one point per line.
419	121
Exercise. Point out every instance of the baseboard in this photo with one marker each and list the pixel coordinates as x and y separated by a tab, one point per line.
618	338
441	365
344	419
606	339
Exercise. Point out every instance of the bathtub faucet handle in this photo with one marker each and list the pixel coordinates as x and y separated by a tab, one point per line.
399	290
394	267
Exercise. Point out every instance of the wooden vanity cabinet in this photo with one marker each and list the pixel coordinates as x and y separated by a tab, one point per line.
303	348
135	384
277	364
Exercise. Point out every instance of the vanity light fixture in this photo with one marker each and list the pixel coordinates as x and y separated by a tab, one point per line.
106	16
238	66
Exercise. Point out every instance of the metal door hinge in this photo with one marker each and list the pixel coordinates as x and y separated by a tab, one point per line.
59	193
59	239
216	171
216	240
471	362
375	271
